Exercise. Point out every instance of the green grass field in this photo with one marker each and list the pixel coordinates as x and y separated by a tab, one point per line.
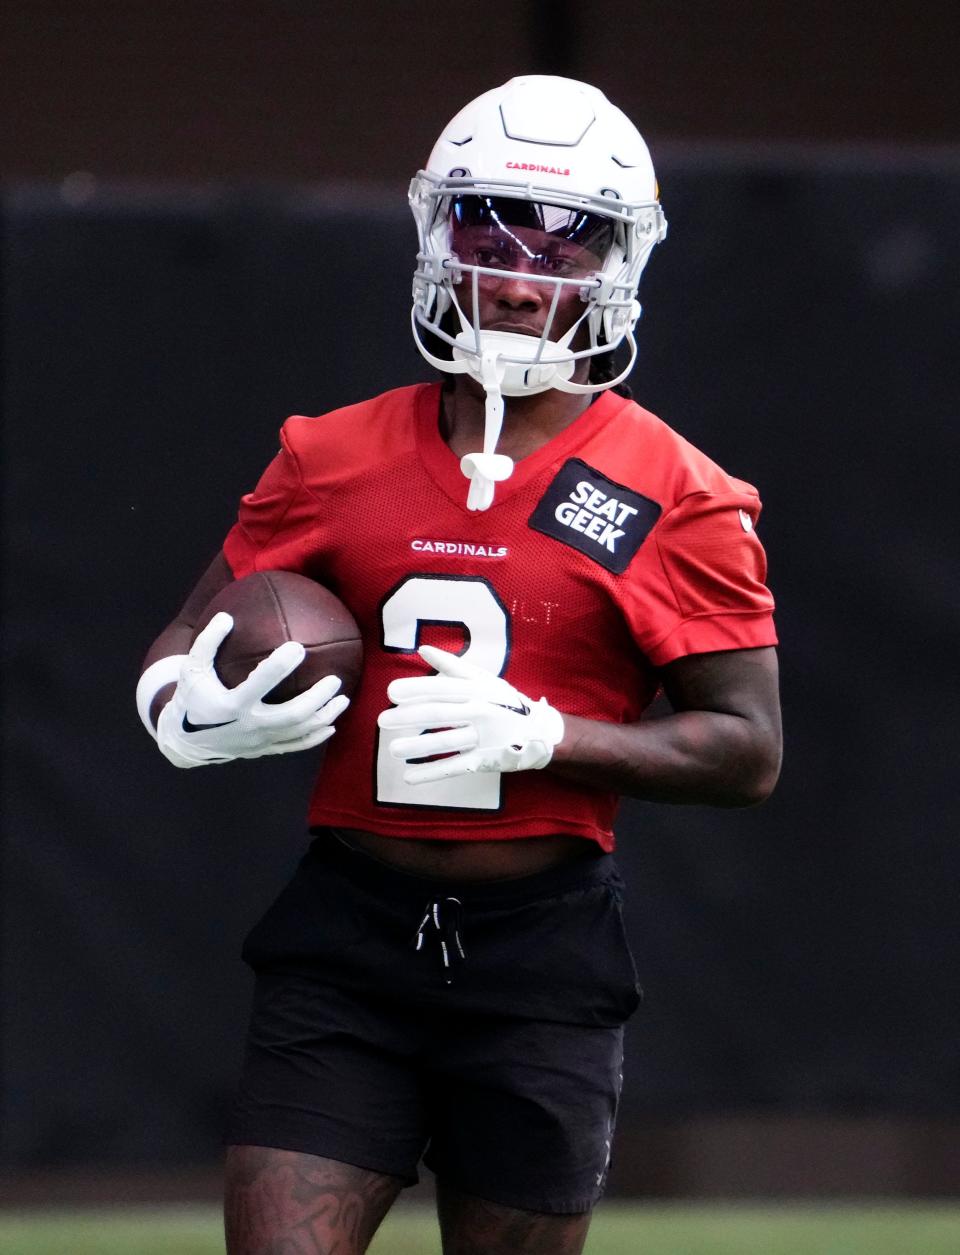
619	1229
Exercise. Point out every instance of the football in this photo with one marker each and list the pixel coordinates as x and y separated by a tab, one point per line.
270	607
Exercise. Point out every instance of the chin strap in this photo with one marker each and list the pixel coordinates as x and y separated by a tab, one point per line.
485	470
498	364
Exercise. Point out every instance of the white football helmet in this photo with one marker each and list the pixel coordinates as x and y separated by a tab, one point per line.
546	177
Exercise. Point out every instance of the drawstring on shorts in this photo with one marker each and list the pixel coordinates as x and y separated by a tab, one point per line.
443	919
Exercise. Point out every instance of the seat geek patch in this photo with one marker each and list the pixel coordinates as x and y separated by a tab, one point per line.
604	520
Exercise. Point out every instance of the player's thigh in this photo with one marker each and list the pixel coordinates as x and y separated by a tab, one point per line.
331	1073
524	1113
283	1200
474	1226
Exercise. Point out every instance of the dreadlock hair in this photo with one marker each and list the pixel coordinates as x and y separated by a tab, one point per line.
603	368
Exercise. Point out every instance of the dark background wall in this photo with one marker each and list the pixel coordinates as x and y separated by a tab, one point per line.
311	90
203	229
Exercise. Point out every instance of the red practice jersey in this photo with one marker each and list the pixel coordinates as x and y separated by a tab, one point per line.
611	551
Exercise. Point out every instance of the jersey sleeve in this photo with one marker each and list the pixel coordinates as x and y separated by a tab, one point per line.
273	521
698	585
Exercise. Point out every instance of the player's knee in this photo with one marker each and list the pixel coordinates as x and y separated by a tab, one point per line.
469	1224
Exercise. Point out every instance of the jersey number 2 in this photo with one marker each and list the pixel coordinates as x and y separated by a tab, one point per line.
465	600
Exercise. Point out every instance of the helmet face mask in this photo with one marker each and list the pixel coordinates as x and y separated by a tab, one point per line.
541	179
472	230
494	241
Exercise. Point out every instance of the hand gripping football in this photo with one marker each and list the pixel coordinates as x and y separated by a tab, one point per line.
270	607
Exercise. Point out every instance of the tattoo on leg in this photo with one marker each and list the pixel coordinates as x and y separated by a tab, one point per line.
473	1226
282	1202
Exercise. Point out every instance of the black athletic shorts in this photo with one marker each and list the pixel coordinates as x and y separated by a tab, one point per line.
477	1026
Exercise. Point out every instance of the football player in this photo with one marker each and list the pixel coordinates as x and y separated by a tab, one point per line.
446	977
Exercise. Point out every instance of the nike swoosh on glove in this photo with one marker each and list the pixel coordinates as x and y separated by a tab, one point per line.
476	718
204	722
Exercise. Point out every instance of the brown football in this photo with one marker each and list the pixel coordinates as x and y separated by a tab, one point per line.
270	607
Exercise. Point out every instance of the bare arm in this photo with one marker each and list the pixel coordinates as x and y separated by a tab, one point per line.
721	745
176	636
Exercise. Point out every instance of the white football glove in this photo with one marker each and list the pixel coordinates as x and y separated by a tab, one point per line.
205	722
487	725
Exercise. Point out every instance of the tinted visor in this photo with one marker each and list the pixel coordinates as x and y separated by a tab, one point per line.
503	233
